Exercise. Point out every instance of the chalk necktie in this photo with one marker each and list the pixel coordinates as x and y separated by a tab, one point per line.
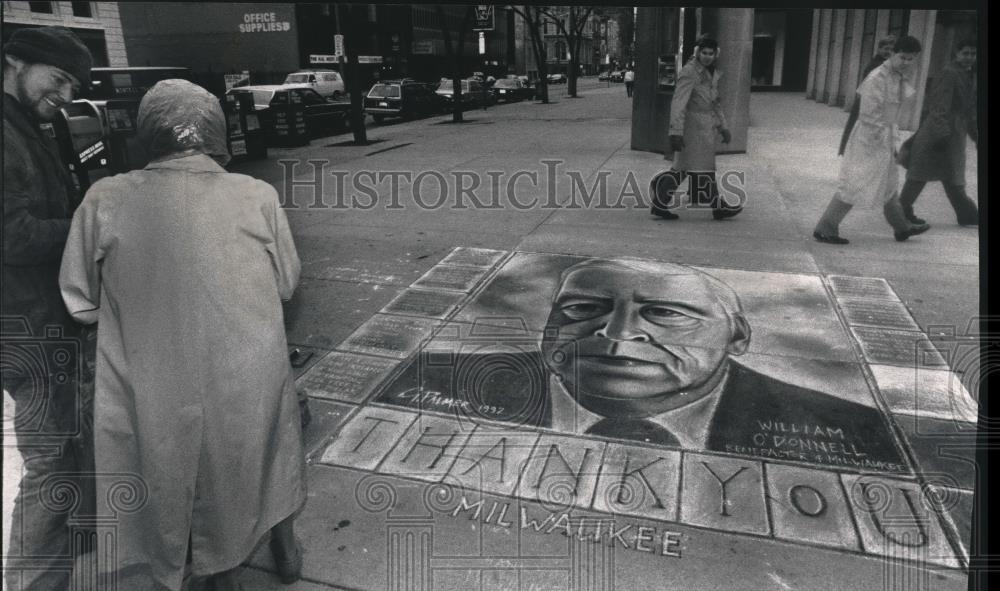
635	429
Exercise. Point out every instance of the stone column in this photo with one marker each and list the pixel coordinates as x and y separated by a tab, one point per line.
823	53
813	56
733	28
922	27
836	57
855	59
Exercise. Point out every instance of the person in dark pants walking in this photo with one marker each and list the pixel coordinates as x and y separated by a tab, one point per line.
629	81
938	148
885	46
696	118
42	69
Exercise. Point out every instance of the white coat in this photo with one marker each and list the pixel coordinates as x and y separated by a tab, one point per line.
184	266
869	175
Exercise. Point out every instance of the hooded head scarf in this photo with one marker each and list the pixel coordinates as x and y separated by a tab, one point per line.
178	118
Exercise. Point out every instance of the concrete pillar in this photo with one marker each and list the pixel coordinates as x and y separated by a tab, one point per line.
733	27
854	58
922	26
650	103
881	24
813	56
823	60
836	57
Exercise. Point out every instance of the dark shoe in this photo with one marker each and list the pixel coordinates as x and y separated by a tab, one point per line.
910	216
721	213
969	220
830	238
902	235
289	568
665	214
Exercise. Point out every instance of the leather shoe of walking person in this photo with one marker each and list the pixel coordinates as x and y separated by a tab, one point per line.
289	567
721	213
902	235
912	217
664	213
830	238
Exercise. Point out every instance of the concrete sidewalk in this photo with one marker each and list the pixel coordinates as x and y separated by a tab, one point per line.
355	261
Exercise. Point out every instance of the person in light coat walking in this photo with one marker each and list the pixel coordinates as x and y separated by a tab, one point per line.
869	174
184	267
938	149
696	119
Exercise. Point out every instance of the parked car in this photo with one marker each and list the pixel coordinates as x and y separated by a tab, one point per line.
617	76
328	83
604	76
557	78
474	94
510	89
322	115
405	98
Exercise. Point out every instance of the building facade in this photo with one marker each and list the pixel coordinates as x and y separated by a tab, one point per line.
98	25
844	40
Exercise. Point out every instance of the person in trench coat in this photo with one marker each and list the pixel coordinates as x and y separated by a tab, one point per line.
869	173
696	118
938	149
884	52
184	267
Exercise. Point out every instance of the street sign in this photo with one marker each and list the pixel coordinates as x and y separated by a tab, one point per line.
422	47
369	59
338	45
484	17
322	59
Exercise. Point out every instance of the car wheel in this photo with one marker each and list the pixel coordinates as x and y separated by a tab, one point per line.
378	118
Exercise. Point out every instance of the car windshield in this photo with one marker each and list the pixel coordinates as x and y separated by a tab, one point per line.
506	83
297	78
262	97
448	85
384	91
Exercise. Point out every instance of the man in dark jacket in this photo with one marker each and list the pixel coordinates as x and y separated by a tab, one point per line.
43	366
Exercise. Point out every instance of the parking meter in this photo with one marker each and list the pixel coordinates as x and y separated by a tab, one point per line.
83	146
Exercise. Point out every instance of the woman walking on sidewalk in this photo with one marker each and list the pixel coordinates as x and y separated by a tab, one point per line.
868	172
938	151
695	118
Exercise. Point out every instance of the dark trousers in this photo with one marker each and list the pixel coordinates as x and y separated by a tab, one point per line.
837	210
703	187
52	521
628	88
54	429
965	208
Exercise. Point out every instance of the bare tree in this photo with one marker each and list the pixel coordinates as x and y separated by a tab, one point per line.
533	16
571	21
455	55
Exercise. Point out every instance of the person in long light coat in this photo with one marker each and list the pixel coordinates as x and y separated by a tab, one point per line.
184	267
869	174
938	150
696	118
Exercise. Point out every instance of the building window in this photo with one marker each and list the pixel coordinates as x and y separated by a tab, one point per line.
43	7
82	9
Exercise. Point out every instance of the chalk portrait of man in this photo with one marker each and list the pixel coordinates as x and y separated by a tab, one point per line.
646	351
